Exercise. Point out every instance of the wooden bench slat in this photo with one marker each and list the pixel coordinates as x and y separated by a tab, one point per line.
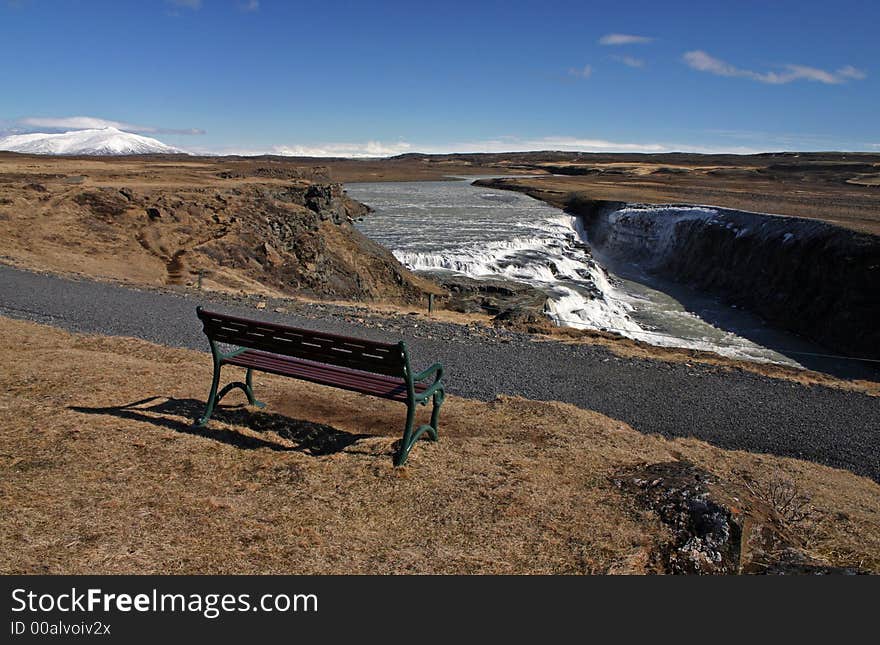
281	362
362	363
321	347
375	384
385	363
325	378
244	323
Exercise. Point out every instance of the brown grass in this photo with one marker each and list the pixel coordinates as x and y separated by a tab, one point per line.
841	201
307	486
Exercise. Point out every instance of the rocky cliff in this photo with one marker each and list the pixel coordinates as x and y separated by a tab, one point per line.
282	235
818	280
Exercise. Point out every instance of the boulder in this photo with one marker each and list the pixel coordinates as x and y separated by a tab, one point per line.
715	526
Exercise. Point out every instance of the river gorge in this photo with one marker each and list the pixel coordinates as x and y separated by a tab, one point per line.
659	274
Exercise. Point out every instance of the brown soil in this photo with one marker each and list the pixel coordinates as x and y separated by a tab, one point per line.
101	472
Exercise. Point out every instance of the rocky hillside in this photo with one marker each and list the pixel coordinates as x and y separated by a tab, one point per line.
158	225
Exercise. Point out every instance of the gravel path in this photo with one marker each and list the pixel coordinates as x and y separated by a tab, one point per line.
731	409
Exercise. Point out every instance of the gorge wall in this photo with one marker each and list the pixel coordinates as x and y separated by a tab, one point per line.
815	279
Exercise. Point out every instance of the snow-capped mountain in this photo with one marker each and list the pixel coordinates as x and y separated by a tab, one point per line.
103	141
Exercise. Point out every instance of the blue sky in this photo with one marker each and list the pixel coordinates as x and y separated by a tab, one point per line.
388	77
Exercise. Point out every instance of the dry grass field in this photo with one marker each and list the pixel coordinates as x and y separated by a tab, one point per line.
101	472
847	205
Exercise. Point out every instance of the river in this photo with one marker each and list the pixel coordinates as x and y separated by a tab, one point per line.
488	233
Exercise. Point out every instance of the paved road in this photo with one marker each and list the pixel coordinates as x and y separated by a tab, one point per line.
729	409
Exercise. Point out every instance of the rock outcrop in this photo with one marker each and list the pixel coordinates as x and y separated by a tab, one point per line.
511	304
298	239
717	527
293	237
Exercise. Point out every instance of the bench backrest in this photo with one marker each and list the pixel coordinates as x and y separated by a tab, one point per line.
355	353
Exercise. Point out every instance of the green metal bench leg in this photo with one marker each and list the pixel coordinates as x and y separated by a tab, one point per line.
249	390
407	441
212	399
241	386
410	436
439	397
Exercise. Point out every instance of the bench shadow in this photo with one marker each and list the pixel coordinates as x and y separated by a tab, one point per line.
177	414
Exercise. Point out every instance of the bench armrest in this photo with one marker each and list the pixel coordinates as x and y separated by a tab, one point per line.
427	394
235	352
436	367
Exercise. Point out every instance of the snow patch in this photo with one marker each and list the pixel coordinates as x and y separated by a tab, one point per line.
99	141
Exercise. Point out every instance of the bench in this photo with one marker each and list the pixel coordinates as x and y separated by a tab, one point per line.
369	367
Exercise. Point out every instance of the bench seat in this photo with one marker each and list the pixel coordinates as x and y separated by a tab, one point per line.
379	385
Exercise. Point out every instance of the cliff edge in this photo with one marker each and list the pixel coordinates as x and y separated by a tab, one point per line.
184	223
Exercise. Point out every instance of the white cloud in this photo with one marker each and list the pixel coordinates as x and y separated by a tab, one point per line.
187	4
366	149
848	71
77	123
578	144
90	122
703	62
630	61
581	72
624	39
586	145
798	72
251	5
502	144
